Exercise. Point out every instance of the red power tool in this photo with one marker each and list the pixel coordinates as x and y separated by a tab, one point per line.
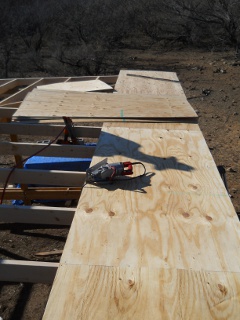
103	171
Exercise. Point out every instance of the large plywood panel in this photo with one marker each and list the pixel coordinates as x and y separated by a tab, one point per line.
46	103
178	215
149	82
165	246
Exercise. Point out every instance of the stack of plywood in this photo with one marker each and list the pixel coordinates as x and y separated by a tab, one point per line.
164	246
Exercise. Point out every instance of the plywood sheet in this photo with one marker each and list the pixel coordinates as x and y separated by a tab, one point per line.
45	103
79	86
178	216
99	292
165	246
149	82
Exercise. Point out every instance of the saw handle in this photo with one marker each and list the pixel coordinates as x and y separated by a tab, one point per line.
129	170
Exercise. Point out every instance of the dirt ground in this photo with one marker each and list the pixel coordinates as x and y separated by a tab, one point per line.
211	81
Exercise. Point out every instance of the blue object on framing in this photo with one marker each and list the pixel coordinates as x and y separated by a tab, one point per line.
56	163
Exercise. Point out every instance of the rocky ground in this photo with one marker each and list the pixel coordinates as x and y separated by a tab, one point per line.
211	81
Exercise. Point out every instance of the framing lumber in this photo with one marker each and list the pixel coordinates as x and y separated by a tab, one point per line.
8	86
54	150
36	215
43	193
20	95
44	177
47	130
148	245
45	103
7	112
27	271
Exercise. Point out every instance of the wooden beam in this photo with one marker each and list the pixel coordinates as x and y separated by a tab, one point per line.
7	112
47	130
44	177
12	104
27	271
20	95
36	215
8	86
54	150
41	193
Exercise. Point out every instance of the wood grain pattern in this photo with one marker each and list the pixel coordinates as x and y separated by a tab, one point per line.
149	82
102	105
165	246
99	292
173	217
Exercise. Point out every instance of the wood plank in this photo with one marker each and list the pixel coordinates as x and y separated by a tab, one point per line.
79	86
54	150
47	130
183	196
43	193
48	253
7	112
27	271
20	95
36	215
149	82
100	105
8	86
44	177
165	246
12	104
99	292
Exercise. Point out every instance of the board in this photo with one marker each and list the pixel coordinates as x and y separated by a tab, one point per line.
164	246
79	86
46	103
149	82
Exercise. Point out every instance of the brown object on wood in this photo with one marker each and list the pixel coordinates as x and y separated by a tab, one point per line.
49	253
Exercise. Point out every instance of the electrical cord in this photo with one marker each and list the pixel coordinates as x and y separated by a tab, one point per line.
24	160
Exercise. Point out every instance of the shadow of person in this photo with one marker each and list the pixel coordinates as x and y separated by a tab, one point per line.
111	145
